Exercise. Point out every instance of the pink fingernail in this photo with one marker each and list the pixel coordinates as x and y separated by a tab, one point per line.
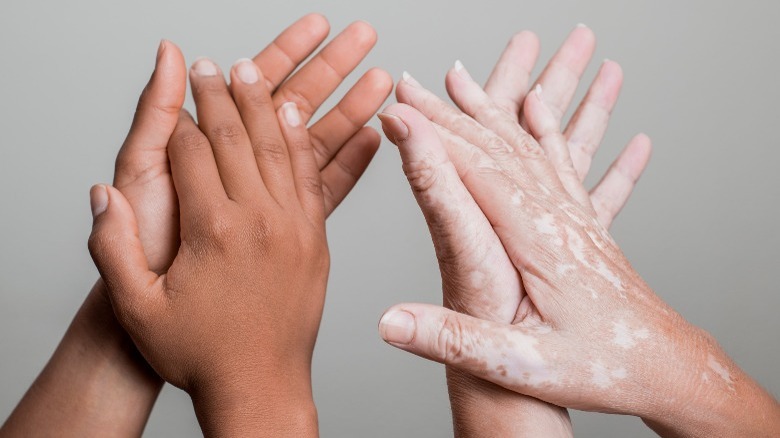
246	71
397	327
410	80
461	70
396	127
98	199
204	67
291	114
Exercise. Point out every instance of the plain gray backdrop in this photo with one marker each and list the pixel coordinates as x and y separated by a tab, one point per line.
701	80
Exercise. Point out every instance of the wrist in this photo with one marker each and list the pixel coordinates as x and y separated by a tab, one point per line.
707	394
276	404
481	408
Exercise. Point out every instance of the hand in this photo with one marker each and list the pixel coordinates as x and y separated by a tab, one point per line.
234	319
587	332
477	276
96	365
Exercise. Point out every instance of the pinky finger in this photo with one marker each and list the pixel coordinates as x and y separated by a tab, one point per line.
343	172
612	192
306	173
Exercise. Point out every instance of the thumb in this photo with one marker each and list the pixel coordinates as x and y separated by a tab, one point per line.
507	355
117	251
156	115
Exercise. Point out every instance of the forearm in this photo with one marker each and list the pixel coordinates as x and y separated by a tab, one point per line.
95	382
483	409
714	397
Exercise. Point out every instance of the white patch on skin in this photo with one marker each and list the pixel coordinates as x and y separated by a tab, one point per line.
521	361
544	189
625	337
603	377
546	226
719	369
517	198
564	269
477	280
705	377
577	247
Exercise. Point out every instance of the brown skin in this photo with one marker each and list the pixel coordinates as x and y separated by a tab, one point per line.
97	380
234	320
588	332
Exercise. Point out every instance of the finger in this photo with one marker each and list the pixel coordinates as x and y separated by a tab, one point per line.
308	182
471	258
589	123
194	171
220	121
562	74
272	158
522	153
546	130
357	107
117	251
155	117
280	58
509	82
611	193
506	355
316	80
344	170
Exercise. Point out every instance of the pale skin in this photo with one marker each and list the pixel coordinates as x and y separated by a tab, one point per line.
477	277
97	383
585	330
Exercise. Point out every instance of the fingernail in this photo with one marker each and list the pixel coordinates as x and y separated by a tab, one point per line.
395	126
204	67
410	80
461	70
98	199
581	25
291	114
160	50
538	90
246	71
397	327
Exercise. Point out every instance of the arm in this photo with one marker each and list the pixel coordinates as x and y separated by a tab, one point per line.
95	357
234	320
589	333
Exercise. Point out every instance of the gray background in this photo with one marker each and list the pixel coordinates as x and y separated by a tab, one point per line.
701	80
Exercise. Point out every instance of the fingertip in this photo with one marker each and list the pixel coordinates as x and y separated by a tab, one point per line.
525	39
584	34
98	199
394	127
397	326
364	32
316	23
381	80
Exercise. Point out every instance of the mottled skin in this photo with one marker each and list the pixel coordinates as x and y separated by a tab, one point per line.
563	347
478	277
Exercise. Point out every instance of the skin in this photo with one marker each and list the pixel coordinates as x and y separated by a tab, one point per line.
478	278
587	332
96	380
234	319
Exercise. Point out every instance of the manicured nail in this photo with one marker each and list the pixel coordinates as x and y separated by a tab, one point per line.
410	80
538	90
394	126
291	114
246	71
461	70
204	67
581	25
98	199
397	327
160	50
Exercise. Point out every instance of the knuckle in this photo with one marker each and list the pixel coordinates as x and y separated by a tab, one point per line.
226	133
422	174
269	148
450	343
312	185
301	101
189	141
209	88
